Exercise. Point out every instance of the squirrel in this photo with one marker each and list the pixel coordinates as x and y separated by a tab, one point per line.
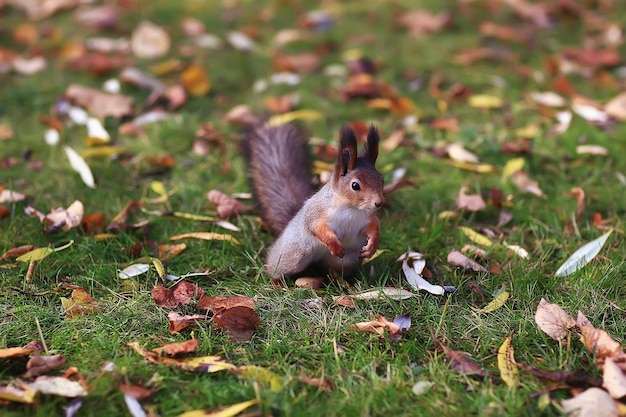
335	227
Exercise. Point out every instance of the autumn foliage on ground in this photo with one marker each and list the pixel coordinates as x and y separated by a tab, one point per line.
131	254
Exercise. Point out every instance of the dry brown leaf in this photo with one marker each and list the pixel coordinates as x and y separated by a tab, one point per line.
303	63
450	124
322	383
456	258
17	251
372	326
149	41
600	343
241	114
594	402
137	392
39	365
92	224
470	202
345	301
179	322
226	205
214	304
616	108
172	349
460	361
79	303
119	222
100	104
421	23
181	293
570	378
613	379
553	320
524	183
206	364
240	322
167	252
10	196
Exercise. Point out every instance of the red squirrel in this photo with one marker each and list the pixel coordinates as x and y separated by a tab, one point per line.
335	227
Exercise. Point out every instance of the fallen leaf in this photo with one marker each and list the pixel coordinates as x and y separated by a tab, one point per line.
323	383
421	23
457	259
457	153
616	108
229	411
344	301
40	253
92	224
309	282
579	194
385	292
59	218
206	236
304	114
215	304
9	196
476	237
570	378
613	379
29	66
470	202
119	222
196	81
483	101
506	363
240	322
600	343
149	41
206	364
226	205
57	385
460	362
592	150
594	402
167	252
79	165
173	349
18	392
262	376
582	256
524	183
38	365
79	303
133	270
590	113
547	98
17	251
496	303
415	279
553	320
179	322
99	104
512	166
372	326
181	293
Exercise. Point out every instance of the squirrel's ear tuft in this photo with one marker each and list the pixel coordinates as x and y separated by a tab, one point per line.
371	150
347	151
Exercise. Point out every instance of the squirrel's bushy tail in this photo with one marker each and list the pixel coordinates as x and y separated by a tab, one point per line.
279	166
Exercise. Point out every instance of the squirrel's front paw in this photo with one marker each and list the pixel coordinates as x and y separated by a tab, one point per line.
369	250
336	249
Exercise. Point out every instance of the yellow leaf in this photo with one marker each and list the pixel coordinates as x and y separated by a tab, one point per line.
527	132
23	394
102	152
447	214
304	114
261	375
512	166
195	81
480	168
158	187
483	101
476	237
229	411
506	363
496	303
206	236
101	237
40	253
158	265
375	255
197	217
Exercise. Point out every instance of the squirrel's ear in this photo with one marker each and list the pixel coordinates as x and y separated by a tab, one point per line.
371	150
347	152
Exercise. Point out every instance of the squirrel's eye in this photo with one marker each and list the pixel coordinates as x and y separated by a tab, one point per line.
356	186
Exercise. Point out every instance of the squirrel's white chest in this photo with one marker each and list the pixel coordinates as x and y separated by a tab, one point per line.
348	224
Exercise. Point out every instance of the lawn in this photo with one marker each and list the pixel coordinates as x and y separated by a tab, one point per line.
458	72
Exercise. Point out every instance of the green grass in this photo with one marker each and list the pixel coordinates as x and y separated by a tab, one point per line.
371	375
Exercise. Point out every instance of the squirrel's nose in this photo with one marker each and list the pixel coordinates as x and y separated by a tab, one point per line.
378	203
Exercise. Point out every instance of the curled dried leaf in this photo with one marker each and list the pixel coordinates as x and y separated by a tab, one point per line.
553	320
226	205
